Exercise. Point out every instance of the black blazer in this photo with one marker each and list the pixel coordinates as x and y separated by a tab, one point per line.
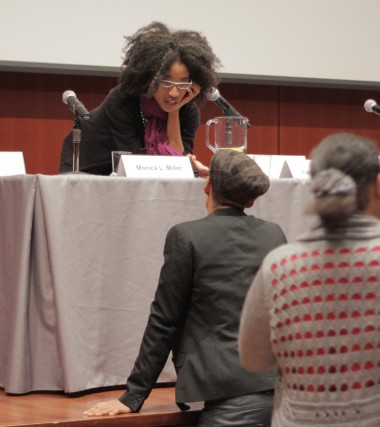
117	125
209	265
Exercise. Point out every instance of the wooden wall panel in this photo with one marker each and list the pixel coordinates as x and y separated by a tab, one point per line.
306	115
285	120
33	118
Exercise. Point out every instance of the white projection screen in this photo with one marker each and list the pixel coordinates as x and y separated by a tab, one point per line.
320	41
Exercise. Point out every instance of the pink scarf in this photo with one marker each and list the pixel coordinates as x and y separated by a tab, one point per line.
156	138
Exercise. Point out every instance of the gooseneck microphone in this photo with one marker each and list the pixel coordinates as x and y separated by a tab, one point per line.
69	97
371	106
228	110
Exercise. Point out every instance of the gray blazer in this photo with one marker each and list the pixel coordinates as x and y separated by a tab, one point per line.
209	265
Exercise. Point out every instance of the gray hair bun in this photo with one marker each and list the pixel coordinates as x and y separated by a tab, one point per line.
332	182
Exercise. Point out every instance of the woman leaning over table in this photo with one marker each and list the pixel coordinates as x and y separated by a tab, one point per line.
155	107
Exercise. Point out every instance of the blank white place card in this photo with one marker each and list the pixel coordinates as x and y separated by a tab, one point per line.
135	166
12	163
278	166
263	160
296	167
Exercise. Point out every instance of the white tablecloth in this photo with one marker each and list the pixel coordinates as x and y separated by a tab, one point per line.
80	257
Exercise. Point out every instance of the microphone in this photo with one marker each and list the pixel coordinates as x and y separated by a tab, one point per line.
371	106
228	110
69	98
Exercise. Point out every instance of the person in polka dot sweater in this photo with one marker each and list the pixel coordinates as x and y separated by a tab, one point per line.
313	309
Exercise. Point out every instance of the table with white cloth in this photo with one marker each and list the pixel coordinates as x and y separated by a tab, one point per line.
80	257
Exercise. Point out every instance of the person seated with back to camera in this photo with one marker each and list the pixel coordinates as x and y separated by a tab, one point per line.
208	266
313	309
155	107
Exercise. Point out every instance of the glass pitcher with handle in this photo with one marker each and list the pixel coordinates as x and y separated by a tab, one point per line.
230	133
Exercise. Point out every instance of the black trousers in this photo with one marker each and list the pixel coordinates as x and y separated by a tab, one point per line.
251	410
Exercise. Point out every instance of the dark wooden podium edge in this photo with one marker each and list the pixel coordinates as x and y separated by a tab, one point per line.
57	409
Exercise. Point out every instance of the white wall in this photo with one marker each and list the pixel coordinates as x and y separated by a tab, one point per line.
285	40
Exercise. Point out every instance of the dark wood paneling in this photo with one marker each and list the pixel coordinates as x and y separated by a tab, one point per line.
33	118
285	120
309	114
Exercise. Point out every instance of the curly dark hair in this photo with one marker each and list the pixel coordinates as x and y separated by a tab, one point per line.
152	50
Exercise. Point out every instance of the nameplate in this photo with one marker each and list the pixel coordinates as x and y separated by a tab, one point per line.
135	166
278	166
12	163
296	168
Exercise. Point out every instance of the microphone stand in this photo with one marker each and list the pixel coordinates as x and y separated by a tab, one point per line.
79	111
77	134
76	139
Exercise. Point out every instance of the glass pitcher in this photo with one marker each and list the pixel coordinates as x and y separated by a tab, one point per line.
230	133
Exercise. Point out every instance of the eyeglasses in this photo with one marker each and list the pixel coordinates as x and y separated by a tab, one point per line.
181	85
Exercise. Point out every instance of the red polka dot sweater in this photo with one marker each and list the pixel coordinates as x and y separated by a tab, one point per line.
314	311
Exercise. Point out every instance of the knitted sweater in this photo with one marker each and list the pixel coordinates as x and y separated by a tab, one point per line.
314	311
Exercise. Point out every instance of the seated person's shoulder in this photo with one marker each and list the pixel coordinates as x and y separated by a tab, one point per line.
270	229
